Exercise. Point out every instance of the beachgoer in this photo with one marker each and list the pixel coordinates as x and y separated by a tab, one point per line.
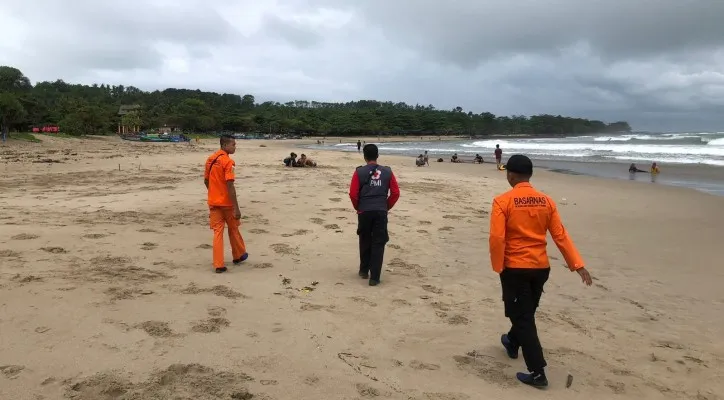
519	222
223	205
454	158
633	168
291	160
655	169
359	146
426	159
478	159
373	192
305	161
498	155
420	160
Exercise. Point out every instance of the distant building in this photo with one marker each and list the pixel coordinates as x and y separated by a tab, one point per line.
122	112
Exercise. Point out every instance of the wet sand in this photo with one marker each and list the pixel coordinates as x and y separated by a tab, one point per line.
107	289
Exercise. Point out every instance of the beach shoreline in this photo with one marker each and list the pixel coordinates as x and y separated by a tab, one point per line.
107	288
705	178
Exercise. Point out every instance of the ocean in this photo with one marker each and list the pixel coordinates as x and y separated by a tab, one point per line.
598	155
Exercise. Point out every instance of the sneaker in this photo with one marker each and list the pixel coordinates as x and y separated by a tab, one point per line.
220	270
509	347
374	282
240	259
364	275
537	380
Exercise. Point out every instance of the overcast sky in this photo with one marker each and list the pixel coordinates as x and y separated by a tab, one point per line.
657	63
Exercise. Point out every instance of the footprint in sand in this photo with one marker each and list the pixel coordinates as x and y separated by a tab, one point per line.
394	246
446	228
155	328
455	217
284	249
148	246
446	396
25	236
258	231
11	371
432	289
335	199
359	299
216	311
298	232
485	367
366	390
457	320
318	221
332	226
210	325
415	364
422	231
148	230
425	223
94	236
262	265
400	302
205	246
54	250
219	290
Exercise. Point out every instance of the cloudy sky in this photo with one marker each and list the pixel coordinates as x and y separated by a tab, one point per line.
657	63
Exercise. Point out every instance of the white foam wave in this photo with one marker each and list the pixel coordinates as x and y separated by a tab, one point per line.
709	150
715	142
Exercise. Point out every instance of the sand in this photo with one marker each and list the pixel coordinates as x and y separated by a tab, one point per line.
107	290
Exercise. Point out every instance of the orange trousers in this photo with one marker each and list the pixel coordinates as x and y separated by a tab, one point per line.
218	217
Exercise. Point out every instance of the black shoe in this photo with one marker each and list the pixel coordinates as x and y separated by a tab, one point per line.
535	379
364	275
510	348
240	259
220	270
374	282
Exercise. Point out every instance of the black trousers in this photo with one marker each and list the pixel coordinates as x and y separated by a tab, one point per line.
522	289
372	231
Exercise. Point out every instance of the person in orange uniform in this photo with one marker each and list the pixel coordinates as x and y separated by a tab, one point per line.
223	206
519	222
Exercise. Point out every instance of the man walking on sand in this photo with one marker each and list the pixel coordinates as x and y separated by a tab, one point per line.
498	155
519	222
223	206
368	191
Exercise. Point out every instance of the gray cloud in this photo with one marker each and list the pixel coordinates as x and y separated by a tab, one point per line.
656	63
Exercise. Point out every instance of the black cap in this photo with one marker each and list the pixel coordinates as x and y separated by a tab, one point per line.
519	164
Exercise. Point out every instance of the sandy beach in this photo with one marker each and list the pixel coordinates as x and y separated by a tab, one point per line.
107	289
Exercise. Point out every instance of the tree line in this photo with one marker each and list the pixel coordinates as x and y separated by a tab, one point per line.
94	109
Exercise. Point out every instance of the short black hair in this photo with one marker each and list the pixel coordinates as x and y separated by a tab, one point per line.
520	164
225	138
371	152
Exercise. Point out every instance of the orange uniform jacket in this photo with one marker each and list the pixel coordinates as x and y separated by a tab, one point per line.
219	169
518	227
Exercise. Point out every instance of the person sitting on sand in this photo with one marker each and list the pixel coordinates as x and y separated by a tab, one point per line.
420	160
455	158
304	161
291	160
633	169
478	159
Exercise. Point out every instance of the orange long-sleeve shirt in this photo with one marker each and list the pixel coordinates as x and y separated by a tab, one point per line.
519	223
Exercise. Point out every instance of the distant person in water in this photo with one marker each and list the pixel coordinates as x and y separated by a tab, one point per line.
498	155
633	169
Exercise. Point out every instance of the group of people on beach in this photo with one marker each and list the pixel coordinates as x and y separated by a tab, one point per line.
519	222
423	159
